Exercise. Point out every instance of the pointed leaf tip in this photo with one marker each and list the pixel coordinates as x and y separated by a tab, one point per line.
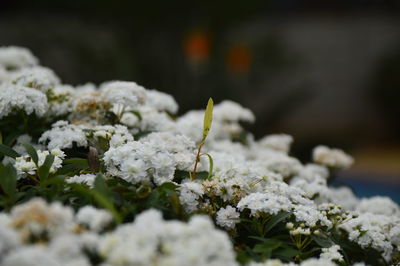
208	118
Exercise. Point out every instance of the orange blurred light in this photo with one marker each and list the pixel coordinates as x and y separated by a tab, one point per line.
239	59
197	47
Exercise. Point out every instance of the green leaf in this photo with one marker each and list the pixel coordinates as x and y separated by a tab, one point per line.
202	175
286	253
1	138
101	199
107	204
323	241
9	140
167	187
138	115
102	193
81	161
44	169
73	165
8	180
32	152
70	169
208	118
267	247
100	185
211	162
7	151
275	220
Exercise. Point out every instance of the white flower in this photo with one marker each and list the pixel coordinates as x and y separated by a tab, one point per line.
317	262
40	78
127	94
15	97
134	170
231	111
279	142
63	135
332	157
270	262
161	101
9	238
151	159
69	250
372	230
378	205
189	195
332	254
264	202
36	217
95	219
60	100
129	119
225	217
14	58
31	256
87	179
26	166
159	242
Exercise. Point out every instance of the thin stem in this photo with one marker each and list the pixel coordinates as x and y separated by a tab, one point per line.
197	160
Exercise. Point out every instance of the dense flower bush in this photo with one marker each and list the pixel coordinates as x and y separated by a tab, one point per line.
110	175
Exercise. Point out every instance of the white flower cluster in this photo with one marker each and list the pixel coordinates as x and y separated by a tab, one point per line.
227	116
375	223
380	232
140	141
332	157
37	233
307	262
29	88
151	159
189	195
152	241
95	219
63	135
227	217
14	58
332	253
14	98
130	103
87	179
26	166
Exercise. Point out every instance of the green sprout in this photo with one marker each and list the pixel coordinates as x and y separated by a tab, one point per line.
206	129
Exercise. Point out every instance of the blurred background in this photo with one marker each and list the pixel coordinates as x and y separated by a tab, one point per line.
323	71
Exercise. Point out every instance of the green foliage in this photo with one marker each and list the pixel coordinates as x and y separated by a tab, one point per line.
7	151
8	182
44	169
206	128
208	118
32	153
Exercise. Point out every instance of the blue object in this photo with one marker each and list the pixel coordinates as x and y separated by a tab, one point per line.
365	187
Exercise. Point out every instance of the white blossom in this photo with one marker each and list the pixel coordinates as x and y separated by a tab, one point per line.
226	217
26	166
14	58
332	253
279	142
87	179
39	78
332	157
159	242
15	97
95	219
